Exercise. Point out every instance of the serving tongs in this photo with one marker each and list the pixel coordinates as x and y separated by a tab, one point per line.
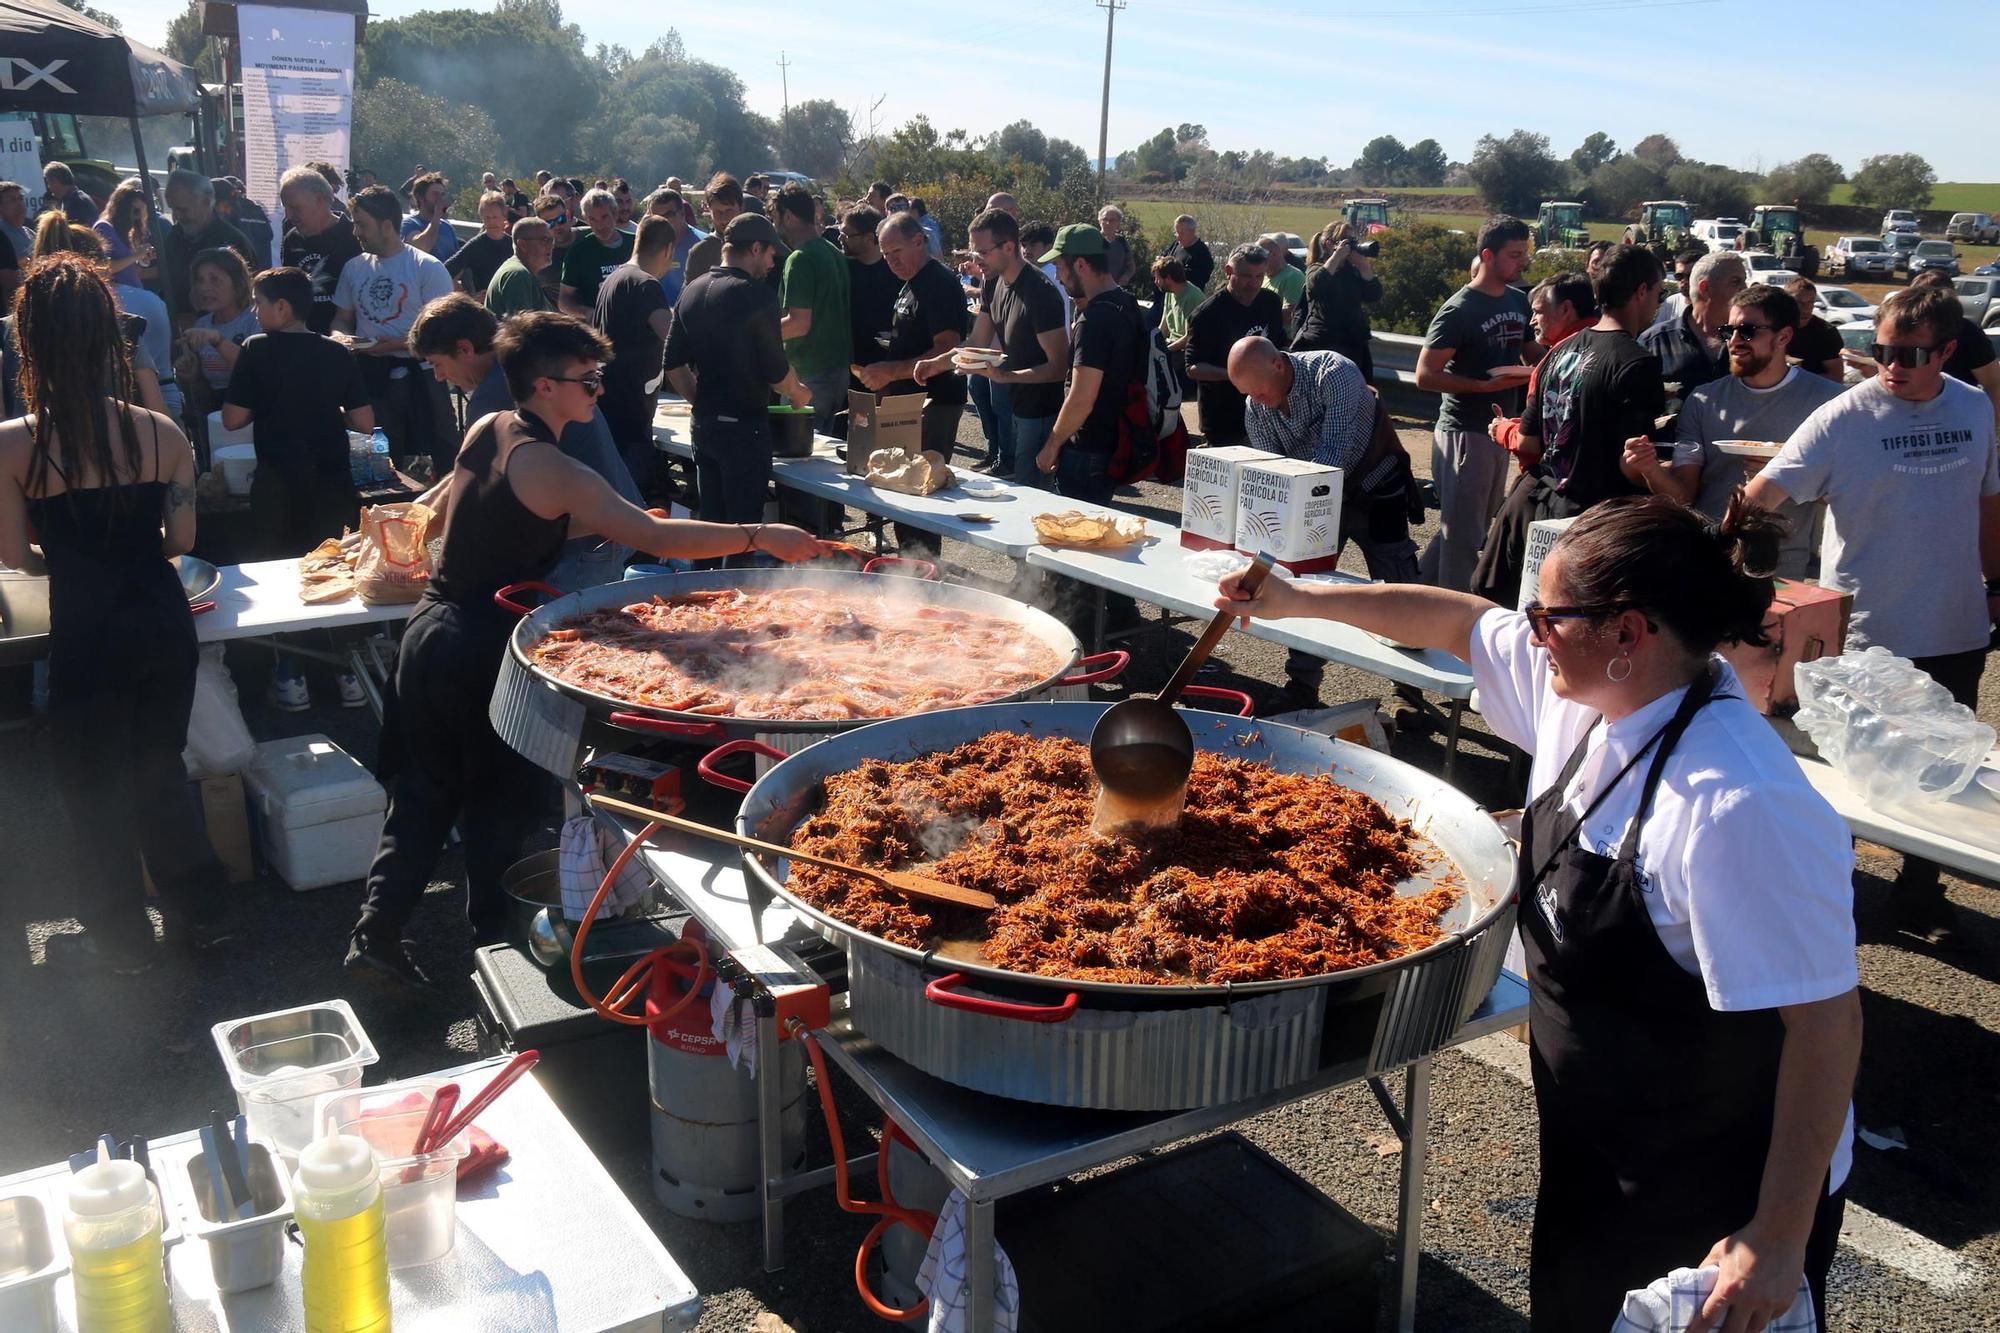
904	882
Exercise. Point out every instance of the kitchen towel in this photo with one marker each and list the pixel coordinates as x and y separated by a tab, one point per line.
1670	1304
943	1278
735	1025
584	859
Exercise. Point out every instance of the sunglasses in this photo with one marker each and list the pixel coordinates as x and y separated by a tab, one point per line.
1906	357
1541	617
1749	332
558	220
594	381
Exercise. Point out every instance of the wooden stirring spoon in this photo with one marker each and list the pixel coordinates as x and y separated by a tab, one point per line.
896	881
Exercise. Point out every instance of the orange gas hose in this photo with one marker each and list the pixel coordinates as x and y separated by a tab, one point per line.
637	977
888	1210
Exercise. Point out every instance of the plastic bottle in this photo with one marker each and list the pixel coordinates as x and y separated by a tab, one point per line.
380	469
112	1221
337	1198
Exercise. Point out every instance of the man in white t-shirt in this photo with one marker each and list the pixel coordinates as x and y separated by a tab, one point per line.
1907	465
379	294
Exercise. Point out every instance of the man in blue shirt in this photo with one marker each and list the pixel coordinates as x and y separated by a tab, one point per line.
428	229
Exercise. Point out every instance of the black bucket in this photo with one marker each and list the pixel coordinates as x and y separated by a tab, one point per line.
792	432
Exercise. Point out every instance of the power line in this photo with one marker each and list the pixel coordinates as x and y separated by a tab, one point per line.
1110	8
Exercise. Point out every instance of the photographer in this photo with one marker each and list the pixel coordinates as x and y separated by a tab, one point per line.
1340	280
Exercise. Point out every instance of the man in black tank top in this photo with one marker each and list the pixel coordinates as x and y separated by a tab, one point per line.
513	500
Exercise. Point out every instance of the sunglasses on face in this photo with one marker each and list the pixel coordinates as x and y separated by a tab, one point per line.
1748	332
559	220
593	382
1541	617
1906	357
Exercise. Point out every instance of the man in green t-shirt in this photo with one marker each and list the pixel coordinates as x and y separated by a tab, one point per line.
1284	277
593	254
815	298
514	288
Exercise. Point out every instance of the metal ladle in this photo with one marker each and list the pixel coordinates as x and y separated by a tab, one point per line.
1141	749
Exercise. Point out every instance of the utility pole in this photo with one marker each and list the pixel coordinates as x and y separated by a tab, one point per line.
785	78
1110	8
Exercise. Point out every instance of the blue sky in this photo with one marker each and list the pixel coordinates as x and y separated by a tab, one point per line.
1308	78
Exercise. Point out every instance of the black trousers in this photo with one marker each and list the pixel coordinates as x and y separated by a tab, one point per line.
120	690
939	436
1959	673
292	513
444	764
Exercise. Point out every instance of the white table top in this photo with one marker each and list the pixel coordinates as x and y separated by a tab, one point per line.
1962	833
1156	573
263	598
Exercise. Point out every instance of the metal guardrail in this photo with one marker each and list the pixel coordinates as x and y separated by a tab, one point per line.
1395	356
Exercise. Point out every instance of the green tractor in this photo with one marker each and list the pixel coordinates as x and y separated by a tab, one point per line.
1366	216
1778	228
1662	226
1559	226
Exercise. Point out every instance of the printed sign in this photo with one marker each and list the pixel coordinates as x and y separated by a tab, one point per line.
21	160
298	93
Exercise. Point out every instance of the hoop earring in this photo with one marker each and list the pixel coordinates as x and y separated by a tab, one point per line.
1618	677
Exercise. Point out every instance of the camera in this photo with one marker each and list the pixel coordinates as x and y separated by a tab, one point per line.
1367	249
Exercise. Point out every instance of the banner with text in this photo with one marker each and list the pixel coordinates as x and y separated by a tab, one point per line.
298	93
21	161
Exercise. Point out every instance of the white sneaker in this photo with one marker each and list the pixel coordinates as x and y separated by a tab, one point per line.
289	694
350	690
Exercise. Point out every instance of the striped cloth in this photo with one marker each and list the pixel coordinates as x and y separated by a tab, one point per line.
586	855
943	1277
1672	1302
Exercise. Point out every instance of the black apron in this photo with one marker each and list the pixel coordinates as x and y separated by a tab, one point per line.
1655	1109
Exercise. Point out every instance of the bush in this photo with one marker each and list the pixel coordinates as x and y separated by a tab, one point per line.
1419	267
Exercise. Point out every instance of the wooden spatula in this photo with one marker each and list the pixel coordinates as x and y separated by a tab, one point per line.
896	881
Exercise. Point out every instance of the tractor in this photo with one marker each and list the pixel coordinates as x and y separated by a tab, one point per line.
1366	216
1777	228
1559	226
1662	225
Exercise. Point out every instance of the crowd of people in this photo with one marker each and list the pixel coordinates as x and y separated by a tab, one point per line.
1590	396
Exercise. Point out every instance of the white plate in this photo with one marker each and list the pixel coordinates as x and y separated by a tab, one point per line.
1988	778
982	488
359	344
1749	448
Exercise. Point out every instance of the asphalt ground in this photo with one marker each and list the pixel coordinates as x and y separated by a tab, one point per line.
83	1051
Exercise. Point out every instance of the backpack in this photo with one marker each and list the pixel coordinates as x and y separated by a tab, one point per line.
1152	437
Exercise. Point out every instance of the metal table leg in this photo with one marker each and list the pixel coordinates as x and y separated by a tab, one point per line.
980	1282
1410	1206
770	1141
1451	737
1097	621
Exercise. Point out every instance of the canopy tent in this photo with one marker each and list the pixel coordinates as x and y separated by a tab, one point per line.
57	60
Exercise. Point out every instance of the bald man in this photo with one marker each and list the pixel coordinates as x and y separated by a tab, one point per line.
1315	405
1006	204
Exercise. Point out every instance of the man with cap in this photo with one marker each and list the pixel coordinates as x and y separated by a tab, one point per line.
725	354
1106	355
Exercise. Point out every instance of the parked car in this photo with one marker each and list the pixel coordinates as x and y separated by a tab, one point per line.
1900	245
1899	219
1764	266
1717	234
1860	256
780	179
1839	305
1973	228
1934	254
1980	297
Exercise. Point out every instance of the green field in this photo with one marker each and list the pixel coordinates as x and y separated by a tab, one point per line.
1948	196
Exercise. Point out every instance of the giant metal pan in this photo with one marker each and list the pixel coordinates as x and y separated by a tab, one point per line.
1116	1046
536	624
24	606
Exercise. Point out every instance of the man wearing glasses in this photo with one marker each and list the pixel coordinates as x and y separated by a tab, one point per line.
1762	398
555	212
1906	463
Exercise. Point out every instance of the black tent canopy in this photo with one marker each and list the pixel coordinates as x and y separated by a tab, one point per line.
53	59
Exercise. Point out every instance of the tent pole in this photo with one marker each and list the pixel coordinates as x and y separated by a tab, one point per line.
145	176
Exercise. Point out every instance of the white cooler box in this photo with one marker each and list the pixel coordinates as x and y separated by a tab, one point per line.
318	812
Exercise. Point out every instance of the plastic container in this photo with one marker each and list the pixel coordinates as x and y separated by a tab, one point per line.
238	462
115	1229
31	1259
337	1195
219	434
791	431
318	811
419	1190
244	1253
282	1062
380	466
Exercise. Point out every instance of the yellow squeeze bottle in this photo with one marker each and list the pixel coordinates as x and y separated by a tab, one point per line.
112	1222
337	1199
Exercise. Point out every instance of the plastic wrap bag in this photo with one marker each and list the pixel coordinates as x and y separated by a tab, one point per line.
395	560
218	741
1894	732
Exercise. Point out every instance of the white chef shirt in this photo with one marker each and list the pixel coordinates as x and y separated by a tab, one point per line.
1747	872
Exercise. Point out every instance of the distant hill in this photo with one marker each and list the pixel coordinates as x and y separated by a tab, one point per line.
1947	197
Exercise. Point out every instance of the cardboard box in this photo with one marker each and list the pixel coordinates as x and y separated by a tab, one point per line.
1289	508
1542	534
882	421
1805	622
223	810
1208	494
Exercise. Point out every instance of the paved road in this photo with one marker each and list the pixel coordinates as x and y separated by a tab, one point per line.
82	1052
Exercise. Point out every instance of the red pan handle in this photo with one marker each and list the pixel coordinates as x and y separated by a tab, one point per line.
1102	666
200	607
660	726
1245	705
504	599
943	992
924	569
706	767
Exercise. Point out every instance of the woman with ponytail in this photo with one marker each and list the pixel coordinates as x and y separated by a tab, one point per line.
99	493
1686	903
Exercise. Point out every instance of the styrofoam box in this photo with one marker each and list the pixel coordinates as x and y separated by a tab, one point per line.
1290	509
1208	494
319	813
1542	534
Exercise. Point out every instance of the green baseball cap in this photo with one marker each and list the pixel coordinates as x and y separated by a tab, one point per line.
1078	238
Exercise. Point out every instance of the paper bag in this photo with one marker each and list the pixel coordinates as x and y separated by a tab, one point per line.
395	561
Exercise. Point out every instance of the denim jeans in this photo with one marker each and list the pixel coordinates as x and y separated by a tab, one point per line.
1030	434
829	397
994	403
